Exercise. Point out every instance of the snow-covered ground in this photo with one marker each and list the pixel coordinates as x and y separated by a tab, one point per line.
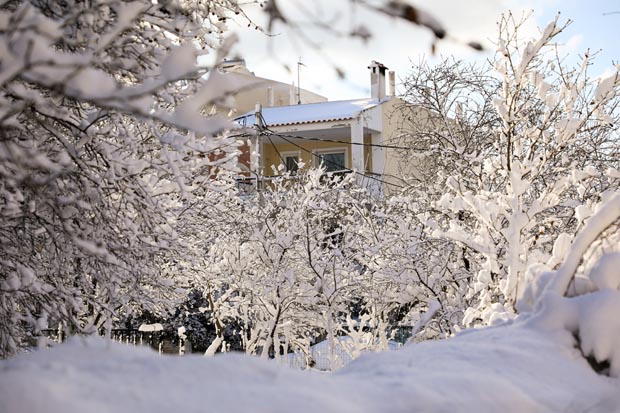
516	368
345	350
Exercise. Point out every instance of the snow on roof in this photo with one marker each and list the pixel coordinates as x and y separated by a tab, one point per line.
310	113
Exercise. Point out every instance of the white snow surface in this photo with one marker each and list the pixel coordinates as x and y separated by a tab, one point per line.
311	112
511	368
150	327
345	350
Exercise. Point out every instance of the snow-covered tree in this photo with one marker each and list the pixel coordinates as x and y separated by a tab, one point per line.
420	280
553	153
307	259
581	298
101	127
282	261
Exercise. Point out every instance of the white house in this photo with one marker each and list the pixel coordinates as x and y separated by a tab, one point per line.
348	135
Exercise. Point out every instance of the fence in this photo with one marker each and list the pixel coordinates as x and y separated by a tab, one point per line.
134	337
319	357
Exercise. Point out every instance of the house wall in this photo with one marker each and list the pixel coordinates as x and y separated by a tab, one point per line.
243	90
270	155
382	124
390	121
398	164
246	99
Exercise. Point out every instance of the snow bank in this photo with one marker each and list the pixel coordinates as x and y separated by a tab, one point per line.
508	368
149	328
346	349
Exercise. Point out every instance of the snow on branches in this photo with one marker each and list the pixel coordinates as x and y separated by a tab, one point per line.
101	139
509	161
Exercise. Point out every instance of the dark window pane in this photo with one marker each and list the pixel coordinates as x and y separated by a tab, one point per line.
292	163
333	161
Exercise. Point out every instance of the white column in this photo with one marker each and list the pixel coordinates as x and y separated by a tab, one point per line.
261	155
378	155
357	151
256	159
254	154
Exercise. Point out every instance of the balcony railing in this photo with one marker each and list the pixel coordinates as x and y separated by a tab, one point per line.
248	185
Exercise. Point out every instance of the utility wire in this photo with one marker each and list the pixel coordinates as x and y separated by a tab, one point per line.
308	138
262	128
263	125
342	167
277	151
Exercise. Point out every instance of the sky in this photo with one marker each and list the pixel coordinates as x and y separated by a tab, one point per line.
398	43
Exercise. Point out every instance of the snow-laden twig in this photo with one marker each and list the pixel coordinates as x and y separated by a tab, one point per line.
603	218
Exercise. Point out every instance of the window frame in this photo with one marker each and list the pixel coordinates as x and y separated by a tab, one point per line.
288	154
317	153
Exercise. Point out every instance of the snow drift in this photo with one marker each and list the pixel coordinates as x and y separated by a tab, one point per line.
515	367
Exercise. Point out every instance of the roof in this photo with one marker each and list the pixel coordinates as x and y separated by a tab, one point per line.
311	112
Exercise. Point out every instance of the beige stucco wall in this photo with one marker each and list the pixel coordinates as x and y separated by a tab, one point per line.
270	155
245	100
401	165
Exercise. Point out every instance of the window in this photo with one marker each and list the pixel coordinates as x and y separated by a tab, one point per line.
332	160
291	161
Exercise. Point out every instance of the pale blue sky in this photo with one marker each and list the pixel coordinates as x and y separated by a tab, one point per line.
396	43
591	27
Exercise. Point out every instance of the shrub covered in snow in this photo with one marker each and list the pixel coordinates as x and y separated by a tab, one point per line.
102	140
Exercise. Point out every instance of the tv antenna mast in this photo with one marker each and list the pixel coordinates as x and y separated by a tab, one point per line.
299	65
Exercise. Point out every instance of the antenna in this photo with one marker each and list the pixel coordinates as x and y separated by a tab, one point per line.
299	65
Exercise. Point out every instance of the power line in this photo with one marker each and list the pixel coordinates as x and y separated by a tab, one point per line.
277	151
262	125
308	138
334	163
263	128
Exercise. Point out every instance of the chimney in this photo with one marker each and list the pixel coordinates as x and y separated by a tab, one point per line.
293	95
377	80
270	97
392	80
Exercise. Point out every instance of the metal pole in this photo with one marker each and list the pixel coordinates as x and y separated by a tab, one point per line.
299	64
